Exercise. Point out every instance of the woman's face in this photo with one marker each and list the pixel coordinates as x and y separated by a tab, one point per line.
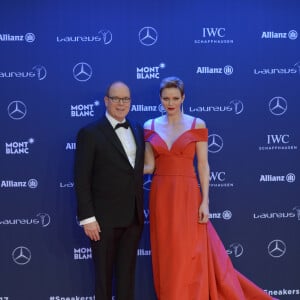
171	100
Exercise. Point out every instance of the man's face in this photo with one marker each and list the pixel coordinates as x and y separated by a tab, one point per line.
115	106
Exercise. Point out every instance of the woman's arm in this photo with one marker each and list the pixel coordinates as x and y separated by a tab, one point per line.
149	164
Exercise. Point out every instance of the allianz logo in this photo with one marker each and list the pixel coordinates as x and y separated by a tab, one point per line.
7	37
227	70
290	178
142	107
31	183
226	215
295	213
71	146
143	252
292	35
42	219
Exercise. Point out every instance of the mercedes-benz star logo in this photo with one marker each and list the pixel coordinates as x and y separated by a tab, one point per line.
21	255
16	110
277	248
82	71
215	143
148	36
278	106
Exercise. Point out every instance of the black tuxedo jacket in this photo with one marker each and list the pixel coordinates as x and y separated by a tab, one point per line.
107	186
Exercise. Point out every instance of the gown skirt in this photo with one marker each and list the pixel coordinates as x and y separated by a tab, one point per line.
189	260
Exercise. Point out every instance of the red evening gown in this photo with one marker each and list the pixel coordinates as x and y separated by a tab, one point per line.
189	260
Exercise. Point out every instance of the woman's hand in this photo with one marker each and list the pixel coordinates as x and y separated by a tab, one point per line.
203	213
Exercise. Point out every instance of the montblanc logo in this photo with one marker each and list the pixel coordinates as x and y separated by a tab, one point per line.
290	178
31	183
82	253
103	36
18	148
143	108
278	141
149	72
83	110
213	35
143	252
292	35
38	72
226	215
42	219
234	106
27	37
279	215
206	70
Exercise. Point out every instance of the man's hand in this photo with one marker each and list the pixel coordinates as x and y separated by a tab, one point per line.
92	230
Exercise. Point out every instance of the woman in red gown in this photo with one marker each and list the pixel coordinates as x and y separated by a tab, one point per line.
188	258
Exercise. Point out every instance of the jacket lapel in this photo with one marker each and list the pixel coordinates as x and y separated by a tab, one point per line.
111	135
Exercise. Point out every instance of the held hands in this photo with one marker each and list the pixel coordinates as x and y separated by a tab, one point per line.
203	213
92	230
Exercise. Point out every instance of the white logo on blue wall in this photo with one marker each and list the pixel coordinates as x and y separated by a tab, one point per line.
235	249
225	215
105	36
84	110
206	70
17	110
18	148
278	106
29	37
82	71
278	70
21	255
42	219
277	248
293	34
279	215
40	71
215	143
236	106
148	36
149	72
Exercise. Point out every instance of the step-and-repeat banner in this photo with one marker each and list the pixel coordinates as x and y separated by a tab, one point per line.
240	62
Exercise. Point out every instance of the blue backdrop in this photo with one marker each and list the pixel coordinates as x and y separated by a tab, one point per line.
240	62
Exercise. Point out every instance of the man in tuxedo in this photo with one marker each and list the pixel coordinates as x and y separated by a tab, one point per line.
109	163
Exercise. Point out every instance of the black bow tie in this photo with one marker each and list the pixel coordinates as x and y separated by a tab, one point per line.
124	124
